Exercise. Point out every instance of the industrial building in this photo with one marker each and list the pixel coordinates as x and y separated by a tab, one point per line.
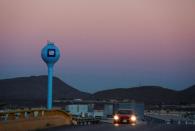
100	109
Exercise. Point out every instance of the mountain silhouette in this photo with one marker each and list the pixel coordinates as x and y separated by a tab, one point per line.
149	95
33	90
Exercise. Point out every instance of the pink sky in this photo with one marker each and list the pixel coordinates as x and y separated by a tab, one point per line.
135	36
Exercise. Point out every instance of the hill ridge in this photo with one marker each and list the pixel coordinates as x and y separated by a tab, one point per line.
34	88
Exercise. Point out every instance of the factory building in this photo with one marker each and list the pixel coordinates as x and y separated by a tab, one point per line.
101	109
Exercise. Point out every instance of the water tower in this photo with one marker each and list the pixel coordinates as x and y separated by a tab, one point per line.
50	55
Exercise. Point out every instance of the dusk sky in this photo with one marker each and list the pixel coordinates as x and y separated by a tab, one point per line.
104	44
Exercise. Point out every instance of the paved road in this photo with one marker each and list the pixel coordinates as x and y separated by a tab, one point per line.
111	127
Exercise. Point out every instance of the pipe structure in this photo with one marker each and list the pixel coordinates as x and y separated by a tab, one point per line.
50	86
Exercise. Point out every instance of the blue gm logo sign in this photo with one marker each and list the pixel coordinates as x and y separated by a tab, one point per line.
51	53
